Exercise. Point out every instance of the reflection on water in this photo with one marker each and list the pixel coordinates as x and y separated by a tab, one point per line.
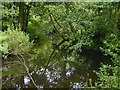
44	78
55	78
73	77
26	80
76	85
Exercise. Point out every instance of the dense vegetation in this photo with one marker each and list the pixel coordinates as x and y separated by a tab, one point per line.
60	45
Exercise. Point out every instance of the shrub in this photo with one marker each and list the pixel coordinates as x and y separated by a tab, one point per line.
109	75
14	42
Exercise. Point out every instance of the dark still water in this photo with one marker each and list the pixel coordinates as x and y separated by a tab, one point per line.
78	75
56	78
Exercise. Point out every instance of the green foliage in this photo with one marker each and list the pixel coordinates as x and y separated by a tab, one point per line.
14	42
9	15
109	75
3	44
106	38
61	32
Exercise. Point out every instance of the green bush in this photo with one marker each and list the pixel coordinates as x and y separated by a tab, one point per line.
3	43
109	75
14	42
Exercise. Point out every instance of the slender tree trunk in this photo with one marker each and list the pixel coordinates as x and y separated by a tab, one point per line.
27	15
23	16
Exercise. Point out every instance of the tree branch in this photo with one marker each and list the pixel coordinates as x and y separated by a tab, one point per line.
51	55
54	25
27	69
70	23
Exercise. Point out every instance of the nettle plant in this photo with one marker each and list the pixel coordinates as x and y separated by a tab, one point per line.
14	42
110	74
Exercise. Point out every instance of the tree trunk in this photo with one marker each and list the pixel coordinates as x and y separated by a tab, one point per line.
23	16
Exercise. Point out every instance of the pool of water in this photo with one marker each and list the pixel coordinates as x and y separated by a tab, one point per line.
45	78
